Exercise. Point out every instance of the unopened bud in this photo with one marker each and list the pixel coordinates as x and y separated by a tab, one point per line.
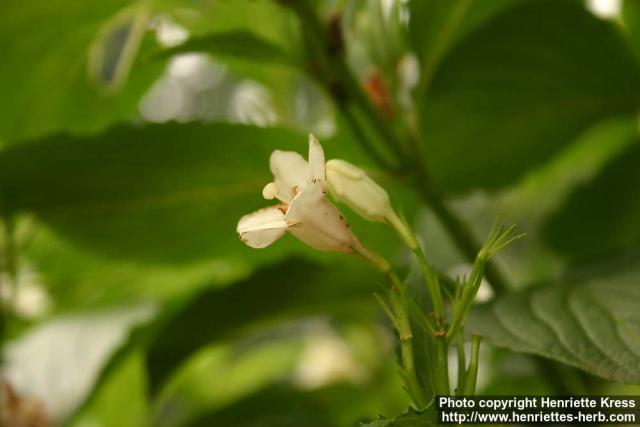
352	186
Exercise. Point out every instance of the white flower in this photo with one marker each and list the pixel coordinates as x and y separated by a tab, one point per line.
303	210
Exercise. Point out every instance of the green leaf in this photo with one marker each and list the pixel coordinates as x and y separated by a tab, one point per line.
273	407
285	406
44	75
513	94
289	289
114	51
65	374
221	375
169	193
165	194
602	217
593	325
125	387
240	44
75	277
631	19
267	19
436	25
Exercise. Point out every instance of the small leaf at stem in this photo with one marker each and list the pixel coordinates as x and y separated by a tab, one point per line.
420	318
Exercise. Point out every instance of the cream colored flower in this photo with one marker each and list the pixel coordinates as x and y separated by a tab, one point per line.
303	210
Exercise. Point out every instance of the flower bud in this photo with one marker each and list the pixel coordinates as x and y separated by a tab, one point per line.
352	186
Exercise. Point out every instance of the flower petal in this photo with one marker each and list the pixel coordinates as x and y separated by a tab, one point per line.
290	172
261	228
318	223
270	191
316	159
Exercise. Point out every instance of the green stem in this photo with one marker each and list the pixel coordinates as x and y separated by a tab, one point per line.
462	305
327	66
459	232
406	349
377	121
472	373
340	70
403	324
462	364
431	278
441	367
430	275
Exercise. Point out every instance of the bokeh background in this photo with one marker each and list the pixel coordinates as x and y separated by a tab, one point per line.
134	134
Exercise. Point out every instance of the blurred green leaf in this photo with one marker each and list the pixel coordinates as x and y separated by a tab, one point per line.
113	53
124	388
593	325
273	407
239	379
340	405
436	25
166	193
239	44
512	94
75	277
285	290
218	376
265	18
60	361
530	202
44	75
631	18
250	23
509	373
602	217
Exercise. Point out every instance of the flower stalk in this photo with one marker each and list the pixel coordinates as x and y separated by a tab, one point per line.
441	366
471	377
398	313
499	237
462	370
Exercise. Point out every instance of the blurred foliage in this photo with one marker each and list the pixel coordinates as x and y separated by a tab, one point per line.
125	388
44	70
134	135
295	287
608	208
498	106
144	181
